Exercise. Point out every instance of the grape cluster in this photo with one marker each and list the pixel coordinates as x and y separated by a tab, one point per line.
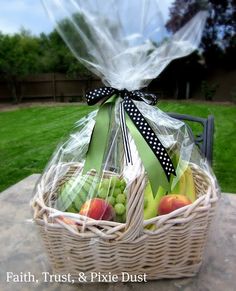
113	191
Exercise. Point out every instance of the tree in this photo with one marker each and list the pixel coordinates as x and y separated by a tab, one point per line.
77	33
56	56
23	54
218	42
18	57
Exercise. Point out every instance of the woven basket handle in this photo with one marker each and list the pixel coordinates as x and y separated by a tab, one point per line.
135	206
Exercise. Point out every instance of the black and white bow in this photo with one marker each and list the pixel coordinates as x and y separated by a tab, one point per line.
128	106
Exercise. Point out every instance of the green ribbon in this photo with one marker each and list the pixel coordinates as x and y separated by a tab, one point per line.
99	141
99	138
155	173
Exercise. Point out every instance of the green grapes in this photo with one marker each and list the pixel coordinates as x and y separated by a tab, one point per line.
116	192
117	197
120	198
119	209
111	200
102	193
115	181
105	183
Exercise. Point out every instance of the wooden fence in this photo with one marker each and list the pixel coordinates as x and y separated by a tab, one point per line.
54	86
58	87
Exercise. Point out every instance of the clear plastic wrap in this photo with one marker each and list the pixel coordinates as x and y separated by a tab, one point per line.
127	45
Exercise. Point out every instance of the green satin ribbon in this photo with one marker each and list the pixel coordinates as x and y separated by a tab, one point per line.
99	140
155	173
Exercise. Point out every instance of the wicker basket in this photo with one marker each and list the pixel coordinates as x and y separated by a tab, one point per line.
174	249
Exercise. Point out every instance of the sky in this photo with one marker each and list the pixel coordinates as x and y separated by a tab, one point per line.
30	14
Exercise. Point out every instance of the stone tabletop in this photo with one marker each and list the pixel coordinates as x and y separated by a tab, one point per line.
21	251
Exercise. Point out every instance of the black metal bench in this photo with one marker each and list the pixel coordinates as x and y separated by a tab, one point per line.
203	140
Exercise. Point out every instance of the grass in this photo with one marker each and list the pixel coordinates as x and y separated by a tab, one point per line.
28	137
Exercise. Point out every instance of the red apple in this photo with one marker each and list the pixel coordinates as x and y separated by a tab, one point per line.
98	209
172	202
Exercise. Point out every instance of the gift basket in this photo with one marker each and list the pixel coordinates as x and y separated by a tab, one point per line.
128	190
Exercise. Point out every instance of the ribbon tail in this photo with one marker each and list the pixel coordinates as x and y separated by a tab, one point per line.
155	172
98	141
128	155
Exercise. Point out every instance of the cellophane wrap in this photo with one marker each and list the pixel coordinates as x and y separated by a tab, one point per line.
126	44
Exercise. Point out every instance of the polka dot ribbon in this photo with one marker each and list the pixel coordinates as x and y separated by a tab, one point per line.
96	95
138	119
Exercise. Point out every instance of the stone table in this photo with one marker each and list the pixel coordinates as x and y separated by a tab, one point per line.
21	250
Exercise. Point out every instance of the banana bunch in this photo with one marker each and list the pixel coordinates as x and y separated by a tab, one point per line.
74	193
151	203
185	185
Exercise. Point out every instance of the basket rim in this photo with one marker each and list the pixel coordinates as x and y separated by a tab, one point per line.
202	203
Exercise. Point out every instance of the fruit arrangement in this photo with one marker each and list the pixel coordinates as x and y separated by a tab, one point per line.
106	199
182	193
100	200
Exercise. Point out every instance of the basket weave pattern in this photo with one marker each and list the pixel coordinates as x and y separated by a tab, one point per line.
168	246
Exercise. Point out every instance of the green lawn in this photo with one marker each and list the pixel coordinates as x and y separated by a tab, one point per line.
29	136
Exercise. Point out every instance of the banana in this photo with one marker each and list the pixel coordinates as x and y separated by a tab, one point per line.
180	187
190	191
151	203
185	185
